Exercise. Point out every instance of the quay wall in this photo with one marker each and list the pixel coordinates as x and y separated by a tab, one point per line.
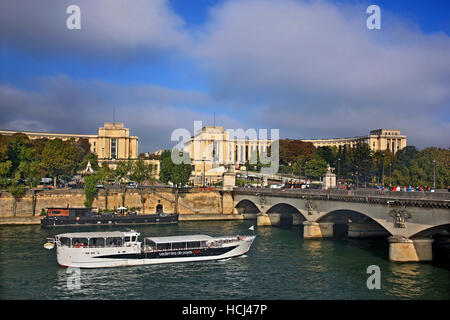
192	204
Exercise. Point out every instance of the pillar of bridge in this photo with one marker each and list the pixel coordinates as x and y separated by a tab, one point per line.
262	220
402	249
312	230
275	219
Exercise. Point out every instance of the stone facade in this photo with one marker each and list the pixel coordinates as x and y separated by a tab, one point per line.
378	140
193	202
112	142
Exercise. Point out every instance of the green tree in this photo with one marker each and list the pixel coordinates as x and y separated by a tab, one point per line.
5	173
123	170
105	174
142	172
60	159
31	172
17	191
166	167
90	189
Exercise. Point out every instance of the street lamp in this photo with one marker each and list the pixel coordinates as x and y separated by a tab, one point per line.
339	168
434	174
390	174
204	173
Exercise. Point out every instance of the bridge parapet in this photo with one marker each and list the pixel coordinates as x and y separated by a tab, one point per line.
398	198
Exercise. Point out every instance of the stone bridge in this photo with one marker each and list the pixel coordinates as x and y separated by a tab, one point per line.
410	220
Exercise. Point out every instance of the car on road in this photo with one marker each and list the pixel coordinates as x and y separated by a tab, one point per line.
132	185
100	186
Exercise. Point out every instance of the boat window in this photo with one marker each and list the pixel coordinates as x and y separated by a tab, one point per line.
127	239
164	246
79	242
133	239
65	242
96	242
150	244
113	242
193	244
179	245
202	243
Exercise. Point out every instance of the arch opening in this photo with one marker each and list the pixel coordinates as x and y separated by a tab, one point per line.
287	215
354	224
247	206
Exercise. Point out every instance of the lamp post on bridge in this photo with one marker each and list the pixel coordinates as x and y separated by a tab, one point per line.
339	169
434	174
390	174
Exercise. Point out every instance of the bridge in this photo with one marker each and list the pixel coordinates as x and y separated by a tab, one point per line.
411	221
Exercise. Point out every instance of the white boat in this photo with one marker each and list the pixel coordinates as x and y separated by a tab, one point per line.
114	249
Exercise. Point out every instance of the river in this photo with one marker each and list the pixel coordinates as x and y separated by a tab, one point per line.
280	265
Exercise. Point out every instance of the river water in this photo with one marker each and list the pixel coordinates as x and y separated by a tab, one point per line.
280	265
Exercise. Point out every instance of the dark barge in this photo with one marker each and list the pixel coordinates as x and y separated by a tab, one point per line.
85	216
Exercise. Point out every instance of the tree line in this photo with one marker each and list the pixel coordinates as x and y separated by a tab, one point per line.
365	167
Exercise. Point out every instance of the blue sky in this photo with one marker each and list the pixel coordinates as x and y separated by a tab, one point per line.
308	68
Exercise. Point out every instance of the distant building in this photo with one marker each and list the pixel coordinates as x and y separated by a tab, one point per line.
378	140
112	143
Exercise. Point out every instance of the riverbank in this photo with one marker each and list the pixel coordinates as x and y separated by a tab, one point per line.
192	205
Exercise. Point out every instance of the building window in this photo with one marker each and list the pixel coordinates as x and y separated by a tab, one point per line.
113	148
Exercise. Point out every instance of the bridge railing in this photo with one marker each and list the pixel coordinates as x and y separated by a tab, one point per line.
418	195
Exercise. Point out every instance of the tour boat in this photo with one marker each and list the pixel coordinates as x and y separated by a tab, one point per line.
116	248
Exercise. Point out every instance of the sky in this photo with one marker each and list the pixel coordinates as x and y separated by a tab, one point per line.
311	69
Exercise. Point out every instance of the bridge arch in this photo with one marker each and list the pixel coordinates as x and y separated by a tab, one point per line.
430	232
354	223
247	206
286	209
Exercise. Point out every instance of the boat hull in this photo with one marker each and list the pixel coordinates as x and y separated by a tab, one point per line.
110	220
133	256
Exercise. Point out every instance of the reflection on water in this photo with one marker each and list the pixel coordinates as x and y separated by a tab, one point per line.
280	265
407	280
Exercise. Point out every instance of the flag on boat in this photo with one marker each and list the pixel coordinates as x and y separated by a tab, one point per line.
251	228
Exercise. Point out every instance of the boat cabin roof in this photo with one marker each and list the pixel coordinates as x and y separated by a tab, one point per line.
187	238
108	234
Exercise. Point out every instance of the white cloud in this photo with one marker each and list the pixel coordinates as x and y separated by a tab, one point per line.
109	28
315	68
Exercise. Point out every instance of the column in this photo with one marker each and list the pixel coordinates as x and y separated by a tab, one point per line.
313	230
402	249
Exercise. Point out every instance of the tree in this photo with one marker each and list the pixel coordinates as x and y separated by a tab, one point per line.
5	173
166	167
105	174
290	150
142	172
59	158
316	167
123	170
90	189
31	172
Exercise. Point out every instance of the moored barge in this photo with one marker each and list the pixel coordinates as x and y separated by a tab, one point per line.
84	216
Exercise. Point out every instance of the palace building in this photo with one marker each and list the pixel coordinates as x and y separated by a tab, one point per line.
378	140
112	142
